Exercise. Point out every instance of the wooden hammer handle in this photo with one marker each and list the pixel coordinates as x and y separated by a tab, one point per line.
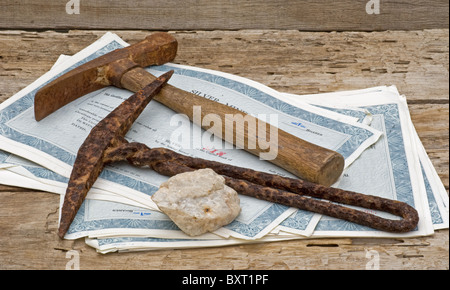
304	159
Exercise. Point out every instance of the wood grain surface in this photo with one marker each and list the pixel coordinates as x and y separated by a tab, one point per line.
306	15
289	61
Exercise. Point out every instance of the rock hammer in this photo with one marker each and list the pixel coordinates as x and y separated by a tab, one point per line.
124	68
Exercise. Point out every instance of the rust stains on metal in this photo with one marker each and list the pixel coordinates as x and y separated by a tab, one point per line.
106	70
90	158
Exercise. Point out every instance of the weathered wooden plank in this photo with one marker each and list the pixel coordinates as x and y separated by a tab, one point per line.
290	61
28	223
310	15
431	122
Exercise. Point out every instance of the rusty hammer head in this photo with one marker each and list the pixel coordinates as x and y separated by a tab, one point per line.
103	71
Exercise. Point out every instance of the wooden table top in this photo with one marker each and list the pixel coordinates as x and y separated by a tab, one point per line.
287	60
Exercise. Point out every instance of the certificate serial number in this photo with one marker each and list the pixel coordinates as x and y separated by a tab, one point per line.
212	281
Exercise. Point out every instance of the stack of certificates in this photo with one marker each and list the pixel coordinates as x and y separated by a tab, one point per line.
371	128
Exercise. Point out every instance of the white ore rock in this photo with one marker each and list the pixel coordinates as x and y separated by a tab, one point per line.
198	201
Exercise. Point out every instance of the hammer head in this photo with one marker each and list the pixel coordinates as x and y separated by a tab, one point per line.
108	133
155	49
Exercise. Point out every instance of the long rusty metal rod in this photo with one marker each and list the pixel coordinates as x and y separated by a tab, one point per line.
275	188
